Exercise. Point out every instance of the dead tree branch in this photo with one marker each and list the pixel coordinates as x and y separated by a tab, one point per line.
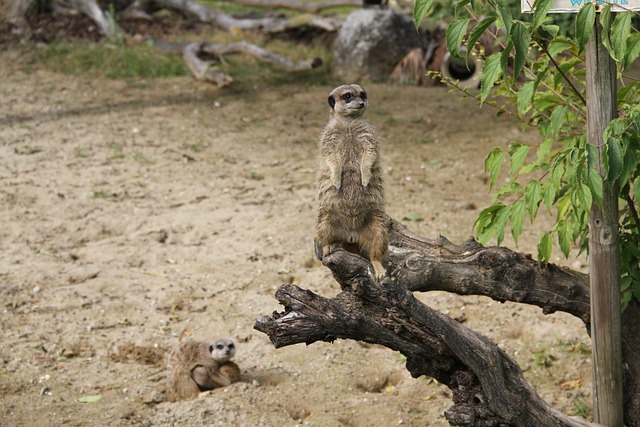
267	25
487	385
471	269
193	53
314	7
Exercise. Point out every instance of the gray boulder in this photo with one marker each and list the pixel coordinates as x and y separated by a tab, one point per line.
371	42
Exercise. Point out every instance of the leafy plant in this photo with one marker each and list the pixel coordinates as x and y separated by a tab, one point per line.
538	76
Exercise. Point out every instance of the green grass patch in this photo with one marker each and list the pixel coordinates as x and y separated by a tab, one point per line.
111	61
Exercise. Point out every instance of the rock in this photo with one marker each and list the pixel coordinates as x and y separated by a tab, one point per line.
371	42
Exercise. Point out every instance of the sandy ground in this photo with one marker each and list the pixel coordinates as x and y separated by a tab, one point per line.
134	215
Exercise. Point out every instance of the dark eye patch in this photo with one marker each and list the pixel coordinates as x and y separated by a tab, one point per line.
347	97
363	95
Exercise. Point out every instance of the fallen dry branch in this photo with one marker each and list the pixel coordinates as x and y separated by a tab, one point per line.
203	70
229	23
423	265
314	7
487	385
193	52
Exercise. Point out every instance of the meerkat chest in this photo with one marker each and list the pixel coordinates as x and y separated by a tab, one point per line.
350	142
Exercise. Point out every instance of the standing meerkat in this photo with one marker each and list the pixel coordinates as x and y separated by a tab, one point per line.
197	366
350	184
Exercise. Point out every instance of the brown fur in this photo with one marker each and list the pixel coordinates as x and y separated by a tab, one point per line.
197	366
350	184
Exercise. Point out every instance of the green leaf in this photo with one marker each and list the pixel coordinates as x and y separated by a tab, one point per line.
90	399
455	33
619	34
565	237
558	118
629	167
546	100
501	223
584	24
520	36
414	218
557	173
493	164
544	247
584	195
525	96
517	219
548	194
633	49
485	225
509	188
615	159
596	186
605	20
551	29
420	10
517	156
506	17
544	150
540	10
491	72
460	5
636	190
505	56
533	197
477	31
560	44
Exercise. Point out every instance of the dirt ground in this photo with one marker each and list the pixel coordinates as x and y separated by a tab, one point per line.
134	215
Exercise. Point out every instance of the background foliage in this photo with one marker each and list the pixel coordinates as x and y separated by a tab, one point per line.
537	74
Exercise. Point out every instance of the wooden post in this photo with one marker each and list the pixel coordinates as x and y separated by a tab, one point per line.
604	247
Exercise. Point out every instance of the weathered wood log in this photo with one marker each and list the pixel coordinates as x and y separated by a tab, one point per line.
423	265
203	70
229	23
107	25
17	16
487	385
314	7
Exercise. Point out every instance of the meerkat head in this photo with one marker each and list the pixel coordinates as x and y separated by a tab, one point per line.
348	101
222	350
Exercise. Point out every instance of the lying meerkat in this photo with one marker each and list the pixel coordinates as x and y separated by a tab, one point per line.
350	184
197	366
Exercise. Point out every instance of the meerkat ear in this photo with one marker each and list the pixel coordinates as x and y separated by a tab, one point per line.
332	101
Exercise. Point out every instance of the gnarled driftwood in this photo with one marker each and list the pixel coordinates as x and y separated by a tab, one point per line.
487	385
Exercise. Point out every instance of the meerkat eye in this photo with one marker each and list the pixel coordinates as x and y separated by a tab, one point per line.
363	95
220	346
347	97
231	345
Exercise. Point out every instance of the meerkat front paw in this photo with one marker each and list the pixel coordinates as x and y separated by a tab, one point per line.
379	271
328	250
366	178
